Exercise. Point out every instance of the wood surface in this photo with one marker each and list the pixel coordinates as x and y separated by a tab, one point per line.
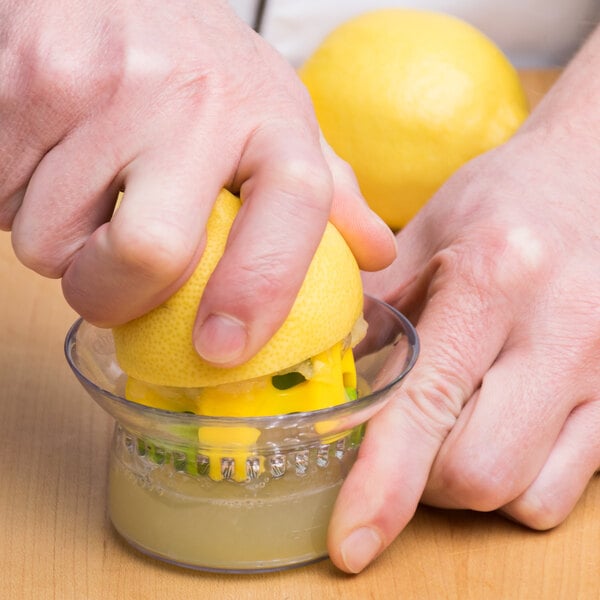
57	543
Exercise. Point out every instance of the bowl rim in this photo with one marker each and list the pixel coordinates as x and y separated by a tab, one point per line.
409	332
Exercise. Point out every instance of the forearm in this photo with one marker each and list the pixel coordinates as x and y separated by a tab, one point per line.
570	112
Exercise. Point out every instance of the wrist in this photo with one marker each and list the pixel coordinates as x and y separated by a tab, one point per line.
570	113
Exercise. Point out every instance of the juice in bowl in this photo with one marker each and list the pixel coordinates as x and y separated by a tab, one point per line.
235	493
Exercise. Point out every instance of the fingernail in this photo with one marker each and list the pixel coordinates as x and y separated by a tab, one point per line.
221	339
360	548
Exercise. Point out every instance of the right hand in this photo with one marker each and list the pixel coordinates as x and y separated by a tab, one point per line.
170	102
500	273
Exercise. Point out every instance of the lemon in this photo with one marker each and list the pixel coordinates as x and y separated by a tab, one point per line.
157	348
406	97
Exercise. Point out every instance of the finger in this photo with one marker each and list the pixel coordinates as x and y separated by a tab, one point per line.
405	281
71	193
19	160
154	240
9	206
370	239
286	194
29	129
503	436
384	486
382	491
156	236
567	471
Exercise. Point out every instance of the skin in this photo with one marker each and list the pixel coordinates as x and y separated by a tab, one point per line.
500	272
169	102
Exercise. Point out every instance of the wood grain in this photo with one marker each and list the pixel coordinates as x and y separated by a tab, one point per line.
56	541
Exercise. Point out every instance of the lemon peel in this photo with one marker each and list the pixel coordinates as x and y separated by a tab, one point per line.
157	347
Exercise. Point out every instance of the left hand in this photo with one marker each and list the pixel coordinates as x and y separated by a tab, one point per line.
501	274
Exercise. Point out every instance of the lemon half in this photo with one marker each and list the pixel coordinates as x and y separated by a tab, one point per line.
157	348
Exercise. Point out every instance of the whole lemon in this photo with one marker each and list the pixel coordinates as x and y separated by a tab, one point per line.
157	347
406	97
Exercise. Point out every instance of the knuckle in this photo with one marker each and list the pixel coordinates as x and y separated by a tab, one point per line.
145	66
498	258
477	481
524	256
471	267
435	404
7	215
310	180
47	257
266	275
158	250
54	70
539	513
257	278
63	81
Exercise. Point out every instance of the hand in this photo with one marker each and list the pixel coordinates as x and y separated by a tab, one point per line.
170	102
501	274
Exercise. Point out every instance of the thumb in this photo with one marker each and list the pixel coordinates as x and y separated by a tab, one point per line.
370	239
383	489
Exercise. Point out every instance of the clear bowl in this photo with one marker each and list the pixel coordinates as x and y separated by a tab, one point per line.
269	505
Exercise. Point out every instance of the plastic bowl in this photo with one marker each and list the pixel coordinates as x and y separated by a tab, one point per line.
233	506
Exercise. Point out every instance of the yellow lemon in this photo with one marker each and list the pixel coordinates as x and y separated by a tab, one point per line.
157	348
406	97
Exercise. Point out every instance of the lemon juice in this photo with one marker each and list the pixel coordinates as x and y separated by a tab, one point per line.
226	525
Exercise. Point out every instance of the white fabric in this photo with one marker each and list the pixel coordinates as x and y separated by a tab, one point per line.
533	33
246	9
